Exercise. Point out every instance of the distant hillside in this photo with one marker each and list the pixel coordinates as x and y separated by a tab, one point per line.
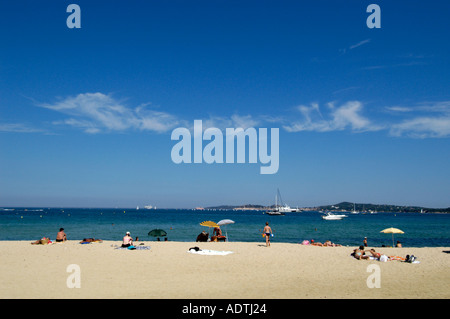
246	206
347	206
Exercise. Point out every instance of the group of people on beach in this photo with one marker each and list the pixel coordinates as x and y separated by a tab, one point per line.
127	241
359	253
60	237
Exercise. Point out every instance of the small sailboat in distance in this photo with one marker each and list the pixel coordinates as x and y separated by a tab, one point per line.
354	211
279	209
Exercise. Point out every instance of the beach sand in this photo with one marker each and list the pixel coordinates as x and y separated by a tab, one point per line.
167	270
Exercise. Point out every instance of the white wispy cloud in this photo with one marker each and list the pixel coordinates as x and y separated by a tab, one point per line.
354	46
425	120
334	118
18	128
377	67
423	127
98	112
401	109
102	113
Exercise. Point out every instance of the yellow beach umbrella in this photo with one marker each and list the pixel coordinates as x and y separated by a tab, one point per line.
392	231
209	223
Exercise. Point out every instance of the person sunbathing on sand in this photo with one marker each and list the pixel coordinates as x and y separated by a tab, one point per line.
375	254
315	244
328	243
90	240
359	253
42	241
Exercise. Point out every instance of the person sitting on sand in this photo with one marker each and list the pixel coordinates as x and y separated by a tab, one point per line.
127	240
399	244
216	233
202	237
61	236
359	253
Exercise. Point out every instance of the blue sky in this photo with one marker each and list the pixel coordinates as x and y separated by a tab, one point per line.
86	114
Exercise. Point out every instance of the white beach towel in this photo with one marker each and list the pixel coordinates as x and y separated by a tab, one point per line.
209	252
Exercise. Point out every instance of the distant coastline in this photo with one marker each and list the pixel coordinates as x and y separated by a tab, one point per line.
344	207
340	207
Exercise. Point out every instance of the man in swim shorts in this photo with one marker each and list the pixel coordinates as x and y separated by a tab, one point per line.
267	233
61	236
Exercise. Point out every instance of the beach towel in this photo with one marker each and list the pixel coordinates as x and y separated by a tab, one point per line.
209	252
396	258
135	248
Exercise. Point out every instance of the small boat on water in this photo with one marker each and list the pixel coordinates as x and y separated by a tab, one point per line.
330	216
275	212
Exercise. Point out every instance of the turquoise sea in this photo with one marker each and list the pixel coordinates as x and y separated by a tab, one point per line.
421	230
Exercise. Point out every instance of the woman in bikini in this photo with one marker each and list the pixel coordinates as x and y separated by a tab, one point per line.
358	253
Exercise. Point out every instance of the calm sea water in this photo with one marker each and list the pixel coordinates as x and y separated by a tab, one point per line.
431	230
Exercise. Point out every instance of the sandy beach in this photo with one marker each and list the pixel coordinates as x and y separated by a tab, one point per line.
167	270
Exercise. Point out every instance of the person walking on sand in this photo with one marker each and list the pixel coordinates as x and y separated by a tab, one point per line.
267	233
61	236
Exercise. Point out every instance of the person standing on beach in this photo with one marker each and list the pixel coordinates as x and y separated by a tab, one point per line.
61	236
267	233
365	241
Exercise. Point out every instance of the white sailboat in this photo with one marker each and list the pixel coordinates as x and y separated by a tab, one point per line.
354	211
280	208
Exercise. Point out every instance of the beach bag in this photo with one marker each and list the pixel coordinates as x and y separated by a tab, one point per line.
410	259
